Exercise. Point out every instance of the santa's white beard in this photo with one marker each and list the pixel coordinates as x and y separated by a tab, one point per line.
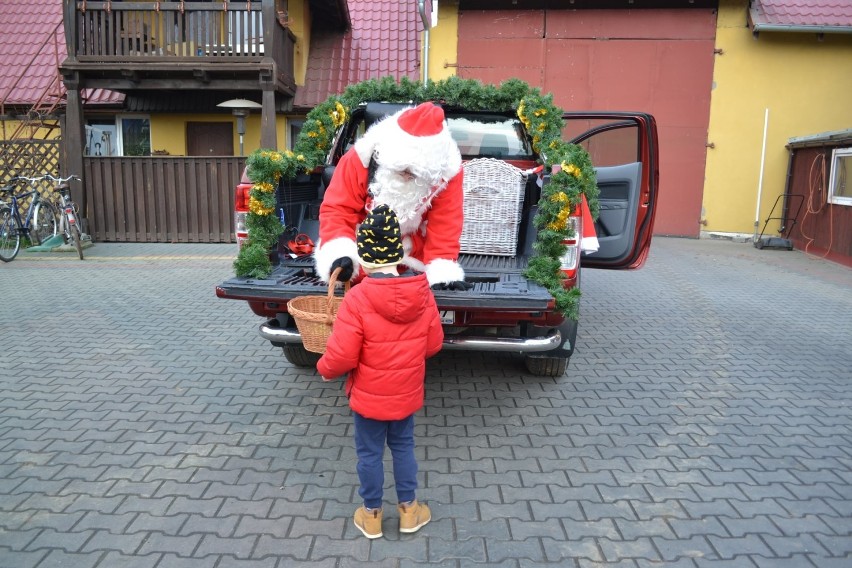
407	198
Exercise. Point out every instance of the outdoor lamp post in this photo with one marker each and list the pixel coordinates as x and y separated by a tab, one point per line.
241	109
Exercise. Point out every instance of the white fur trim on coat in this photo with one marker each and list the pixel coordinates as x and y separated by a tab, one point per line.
590	244
327	253
443	271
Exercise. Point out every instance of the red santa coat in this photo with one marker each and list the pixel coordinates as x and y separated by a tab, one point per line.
385	330
345	206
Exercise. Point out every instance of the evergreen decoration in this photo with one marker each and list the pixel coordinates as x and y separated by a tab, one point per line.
253	261
573	178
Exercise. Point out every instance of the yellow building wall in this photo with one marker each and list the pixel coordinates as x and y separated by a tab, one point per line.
168	132
803	80
300	25
443	42
20	130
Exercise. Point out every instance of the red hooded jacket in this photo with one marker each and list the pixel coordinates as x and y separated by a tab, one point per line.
385	330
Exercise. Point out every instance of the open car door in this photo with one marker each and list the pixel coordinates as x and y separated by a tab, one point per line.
623	148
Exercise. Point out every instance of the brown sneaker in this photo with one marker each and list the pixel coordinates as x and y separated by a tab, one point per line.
369	522
412	517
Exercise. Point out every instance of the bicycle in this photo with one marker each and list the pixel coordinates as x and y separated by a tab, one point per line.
40	223
70	221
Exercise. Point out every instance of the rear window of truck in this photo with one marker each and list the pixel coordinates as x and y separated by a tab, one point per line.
478	135
490	136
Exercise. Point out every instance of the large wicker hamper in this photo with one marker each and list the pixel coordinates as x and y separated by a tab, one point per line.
493	197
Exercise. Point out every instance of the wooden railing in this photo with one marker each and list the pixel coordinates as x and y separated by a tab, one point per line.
124	31
161	199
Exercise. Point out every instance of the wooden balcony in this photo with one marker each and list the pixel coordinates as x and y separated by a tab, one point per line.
178	45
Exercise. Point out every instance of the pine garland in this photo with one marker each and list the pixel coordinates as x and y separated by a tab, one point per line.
543	122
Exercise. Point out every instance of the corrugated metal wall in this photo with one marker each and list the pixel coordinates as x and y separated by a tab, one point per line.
821	228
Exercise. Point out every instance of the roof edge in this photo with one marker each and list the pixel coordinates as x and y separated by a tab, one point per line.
801	29
759	24
347	18
831	138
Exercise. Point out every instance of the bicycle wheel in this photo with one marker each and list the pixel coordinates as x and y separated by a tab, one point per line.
10	237
45	223
74	236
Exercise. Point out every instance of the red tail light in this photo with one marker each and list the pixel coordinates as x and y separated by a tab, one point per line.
241	198
241	207
571	259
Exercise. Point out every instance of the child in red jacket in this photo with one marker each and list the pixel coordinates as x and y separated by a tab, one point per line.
386	328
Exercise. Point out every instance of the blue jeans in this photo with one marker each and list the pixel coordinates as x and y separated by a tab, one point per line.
370	438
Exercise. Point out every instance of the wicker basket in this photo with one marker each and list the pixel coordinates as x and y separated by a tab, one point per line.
493	197
315	315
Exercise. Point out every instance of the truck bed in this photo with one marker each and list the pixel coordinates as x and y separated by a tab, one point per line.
498	284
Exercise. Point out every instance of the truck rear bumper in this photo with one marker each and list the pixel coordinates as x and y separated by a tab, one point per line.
548	342
273	332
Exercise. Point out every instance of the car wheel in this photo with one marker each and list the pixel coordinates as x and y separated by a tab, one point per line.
546	366
299	356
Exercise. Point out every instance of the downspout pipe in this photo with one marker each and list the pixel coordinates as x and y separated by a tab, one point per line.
421	8
760	179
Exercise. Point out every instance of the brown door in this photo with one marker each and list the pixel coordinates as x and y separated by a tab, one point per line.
658	62
209	139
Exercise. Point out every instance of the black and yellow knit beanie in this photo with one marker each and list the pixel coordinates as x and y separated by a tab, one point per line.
379	239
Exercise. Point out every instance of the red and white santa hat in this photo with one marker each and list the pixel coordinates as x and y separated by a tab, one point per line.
414	139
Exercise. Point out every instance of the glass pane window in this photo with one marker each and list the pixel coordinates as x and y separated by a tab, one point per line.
839	188
135	136
293	134
609	142
101	137
490	135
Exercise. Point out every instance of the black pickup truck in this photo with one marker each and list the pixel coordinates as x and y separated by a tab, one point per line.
504	311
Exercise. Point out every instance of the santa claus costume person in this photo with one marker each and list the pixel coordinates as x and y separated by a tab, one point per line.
418	174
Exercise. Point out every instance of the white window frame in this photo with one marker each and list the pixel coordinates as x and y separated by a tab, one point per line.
840	176
119	138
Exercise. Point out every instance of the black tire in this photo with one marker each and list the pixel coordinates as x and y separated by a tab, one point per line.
74	236
45	222
299	356
546	366
555	365
72	233
10	238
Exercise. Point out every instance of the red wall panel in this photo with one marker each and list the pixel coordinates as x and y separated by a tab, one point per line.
631	24
514	53
656	61
501	24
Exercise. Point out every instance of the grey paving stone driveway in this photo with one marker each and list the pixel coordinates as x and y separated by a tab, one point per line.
705	421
